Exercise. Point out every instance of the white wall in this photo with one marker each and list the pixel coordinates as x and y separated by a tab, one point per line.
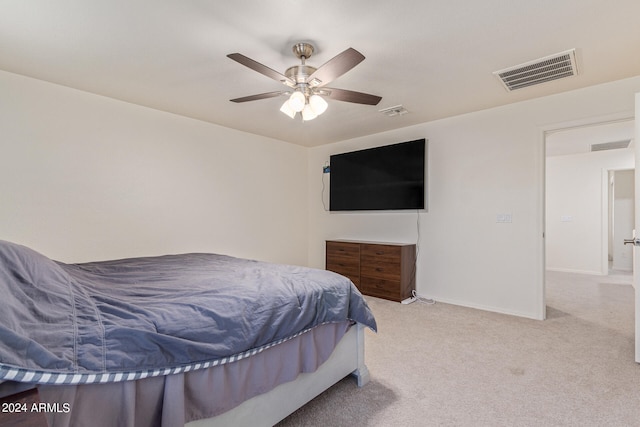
480	165
84	177
577	205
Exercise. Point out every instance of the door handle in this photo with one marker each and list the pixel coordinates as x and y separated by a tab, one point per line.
635	241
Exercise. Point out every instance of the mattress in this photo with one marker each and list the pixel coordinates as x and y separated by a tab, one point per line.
137	318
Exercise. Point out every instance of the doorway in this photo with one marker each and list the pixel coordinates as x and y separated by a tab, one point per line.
585	222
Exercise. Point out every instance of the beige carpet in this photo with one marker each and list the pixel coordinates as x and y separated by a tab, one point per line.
443	365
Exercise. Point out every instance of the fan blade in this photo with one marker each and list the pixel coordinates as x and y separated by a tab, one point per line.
262	69
335	67
259	96
350	96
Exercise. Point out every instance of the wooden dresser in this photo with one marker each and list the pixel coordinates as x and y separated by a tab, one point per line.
383	270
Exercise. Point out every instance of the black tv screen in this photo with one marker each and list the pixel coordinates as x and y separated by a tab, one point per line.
390	177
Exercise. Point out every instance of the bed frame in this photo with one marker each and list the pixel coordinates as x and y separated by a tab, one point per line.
269	408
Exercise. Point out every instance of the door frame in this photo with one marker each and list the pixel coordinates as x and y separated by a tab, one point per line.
636	252
544	131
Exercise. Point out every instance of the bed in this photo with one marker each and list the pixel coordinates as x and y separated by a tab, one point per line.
190	339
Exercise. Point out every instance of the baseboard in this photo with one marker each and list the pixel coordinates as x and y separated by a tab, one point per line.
489	308
570	270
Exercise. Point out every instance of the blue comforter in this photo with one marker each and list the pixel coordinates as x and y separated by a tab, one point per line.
157	312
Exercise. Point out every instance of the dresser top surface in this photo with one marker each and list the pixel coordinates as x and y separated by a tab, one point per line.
367	242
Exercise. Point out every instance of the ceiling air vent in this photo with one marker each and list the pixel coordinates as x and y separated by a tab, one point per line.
397	110
611	145
541	70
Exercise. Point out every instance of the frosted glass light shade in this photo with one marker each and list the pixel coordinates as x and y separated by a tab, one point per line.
287	109
297	101
318	104
308	113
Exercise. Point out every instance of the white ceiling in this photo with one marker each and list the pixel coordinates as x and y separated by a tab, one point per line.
434	57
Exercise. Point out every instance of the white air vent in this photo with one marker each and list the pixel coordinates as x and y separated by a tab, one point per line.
397	110
611	145
541	70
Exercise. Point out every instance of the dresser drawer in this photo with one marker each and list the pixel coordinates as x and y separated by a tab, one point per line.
385	254
380	270
380	261
344	258
343	250
352	271
381	288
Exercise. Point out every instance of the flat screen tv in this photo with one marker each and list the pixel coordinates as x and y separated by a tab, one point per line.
390	177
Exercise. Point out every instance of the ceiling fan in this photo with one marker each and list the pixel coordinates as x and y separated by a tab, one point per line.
307	83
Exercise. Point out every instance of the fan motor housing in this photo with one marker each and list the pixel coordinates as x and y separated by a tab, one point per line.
299	73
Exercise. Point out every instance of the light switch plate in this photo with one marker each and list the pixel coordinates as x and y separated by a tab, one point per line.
503	218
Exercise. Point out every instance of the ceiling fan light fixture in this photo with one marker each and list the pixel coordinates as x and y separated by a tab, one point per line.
308	113
287	109
308	83
318	104
297	101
